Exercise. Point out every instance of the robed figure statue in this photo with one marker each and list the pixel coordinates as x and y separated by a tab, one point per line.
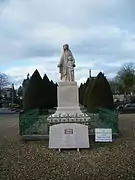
67	64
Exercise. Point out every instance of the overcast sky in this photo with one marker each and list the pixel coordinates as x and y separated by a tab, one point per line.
101	35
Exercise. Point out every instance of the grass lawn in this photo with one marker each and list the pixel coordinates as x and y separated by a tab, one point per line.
34	161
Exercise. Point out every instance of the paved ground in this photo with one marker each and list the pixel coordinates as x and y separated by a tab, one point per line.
127	124
9	125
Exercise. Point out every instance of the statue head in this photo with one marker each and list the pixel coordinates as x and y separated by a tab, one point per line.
66	47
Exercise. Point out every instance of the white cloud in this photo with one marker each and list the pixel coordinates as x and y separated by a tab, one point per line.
129	43
34	31
49	66
58	34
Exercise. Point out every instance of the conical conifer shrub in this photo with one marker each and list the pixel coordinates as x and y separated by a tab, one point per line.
100	94
33	94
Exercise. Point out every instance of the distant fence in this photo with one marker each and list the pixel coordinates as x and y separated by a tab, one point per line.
37	122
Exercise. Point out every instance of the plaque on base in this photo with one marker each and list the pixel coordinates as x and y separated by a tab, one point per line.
103	135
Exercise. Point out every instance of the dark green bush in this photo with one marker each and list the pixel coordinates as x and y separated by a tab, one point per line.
100	94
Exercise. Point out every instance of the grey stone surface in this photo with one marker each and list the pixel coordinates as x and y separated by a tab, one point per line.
68	99
66	65
68	135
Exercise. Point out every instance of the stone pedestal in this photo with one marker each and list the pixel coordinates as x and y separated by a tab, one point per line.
68	109
68	99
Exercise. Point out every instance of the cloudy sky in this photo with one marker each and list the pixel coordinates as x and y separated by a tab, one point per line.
101	35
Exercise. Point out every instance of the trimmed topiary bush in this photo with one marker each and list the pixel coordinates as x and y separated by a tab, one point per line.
55	94
46	93
100	94
40	93
81	93
33	94
87	89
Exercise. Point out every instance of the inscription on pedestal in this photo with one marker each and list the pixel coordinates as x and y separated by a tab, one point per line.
68	131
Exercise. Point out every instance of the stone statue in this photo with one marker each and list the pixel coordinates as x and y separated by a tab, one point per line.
67	64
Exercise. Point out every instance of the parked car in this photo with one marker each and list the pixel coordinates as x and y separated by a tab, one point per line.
127	108
120	107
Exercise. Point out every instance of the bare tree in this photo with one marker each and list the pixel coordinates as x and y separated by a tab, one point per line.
126	77
4	80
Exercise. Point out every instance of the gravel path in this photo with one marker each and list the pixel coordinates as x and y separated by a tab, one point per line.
34	161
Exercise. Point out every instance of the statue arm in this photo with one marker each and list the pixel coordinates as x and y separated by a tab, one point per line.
73	59
61	61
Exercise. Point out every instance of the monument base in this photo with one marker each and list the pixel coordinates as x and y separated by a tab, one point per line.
68	101
68	109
